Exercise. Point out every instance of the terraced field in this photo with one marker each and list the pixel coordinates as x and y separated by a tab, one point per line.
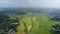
35	23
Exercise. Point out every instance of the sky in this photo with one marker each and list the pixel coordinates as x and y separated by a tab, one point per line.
30	3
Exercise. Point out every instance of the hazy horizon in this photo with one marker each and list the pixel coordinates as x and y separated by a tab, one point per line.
30	3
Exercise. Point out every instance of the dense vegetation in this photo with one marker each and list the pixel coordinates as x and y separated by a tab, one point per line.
28	20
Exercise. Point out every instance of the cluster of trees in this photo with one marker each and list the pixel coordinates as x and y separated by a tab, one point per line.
56	18
6	23
56	15
55	29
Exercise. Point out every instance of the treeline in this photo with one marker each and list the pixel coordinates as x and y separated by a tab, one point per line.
13	11
56	15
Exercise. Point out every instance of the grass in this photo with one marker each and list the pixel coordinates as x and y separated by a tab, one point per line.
42	24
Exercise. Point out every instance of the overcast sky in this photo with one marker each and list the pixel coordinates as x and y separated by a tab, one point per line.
30	3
